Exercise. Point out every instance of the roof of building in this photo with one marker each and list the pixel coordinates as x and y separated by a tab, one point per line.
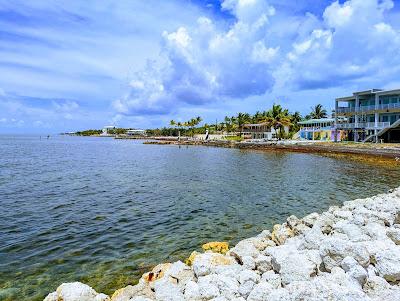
366	92
321	120
256	124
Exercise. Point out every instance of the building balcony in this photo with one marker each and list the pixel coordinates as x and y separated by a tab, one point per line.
316	129
363	125
363	109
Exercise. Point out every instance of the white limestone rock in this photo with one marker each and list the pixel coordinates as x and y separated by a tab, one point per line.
334	250
229	287
359	274
246	288
379	289
140	298
207	263
208	287
76	291
165	290
291	264
247	280
192	291
212	286
348	262
244	248
178	274
335	286
375	231
353	232
260	292
388	264
51	297
394	235
309	220
263	263
272	278
142	289
313	238
247	275
248	263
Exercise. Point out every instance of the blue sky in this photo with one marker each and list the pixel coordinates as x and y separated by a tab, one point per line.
70	65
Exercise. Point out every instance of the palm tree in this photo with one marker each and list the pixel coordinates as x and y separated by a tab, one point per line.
278	118
257	117
295	118
317	112
241	119
174	124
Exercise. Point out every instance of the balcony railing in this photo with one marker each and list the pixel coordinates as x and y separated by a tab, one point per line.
368	108
363	125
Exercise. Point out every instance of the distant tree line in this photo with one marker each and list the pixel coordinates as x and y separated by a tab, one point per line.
88	132
277	117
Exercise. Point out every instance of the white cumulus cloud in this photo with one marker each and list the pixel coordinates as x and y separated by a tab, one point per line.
263	50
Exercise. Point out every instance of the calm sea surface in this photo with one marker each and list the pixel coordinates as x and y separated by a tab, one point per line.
103	211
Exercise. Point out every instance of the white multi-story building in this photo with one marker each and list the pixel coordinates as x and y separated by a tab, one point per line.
372	115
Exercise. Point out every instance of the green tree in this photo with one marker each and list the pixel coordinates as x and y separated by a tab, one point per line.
241	120
317	112
278	118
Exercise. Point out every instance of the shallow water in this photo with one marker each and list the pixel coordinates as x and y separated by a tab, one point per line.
103	211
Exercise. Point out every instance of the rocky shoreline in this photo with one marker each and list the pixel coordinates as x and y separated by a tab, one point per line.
370	149
346	253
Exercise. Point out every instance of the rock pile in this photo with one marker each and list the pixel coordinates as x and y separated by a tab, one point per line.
346	253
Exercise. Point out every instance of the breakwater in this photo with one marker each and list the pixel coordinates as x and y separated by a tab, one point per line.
349	252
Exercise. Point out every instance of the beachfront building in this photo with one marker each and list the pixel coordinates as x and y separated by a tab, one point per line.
136	132
317	129
371	115
106	130
261	131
